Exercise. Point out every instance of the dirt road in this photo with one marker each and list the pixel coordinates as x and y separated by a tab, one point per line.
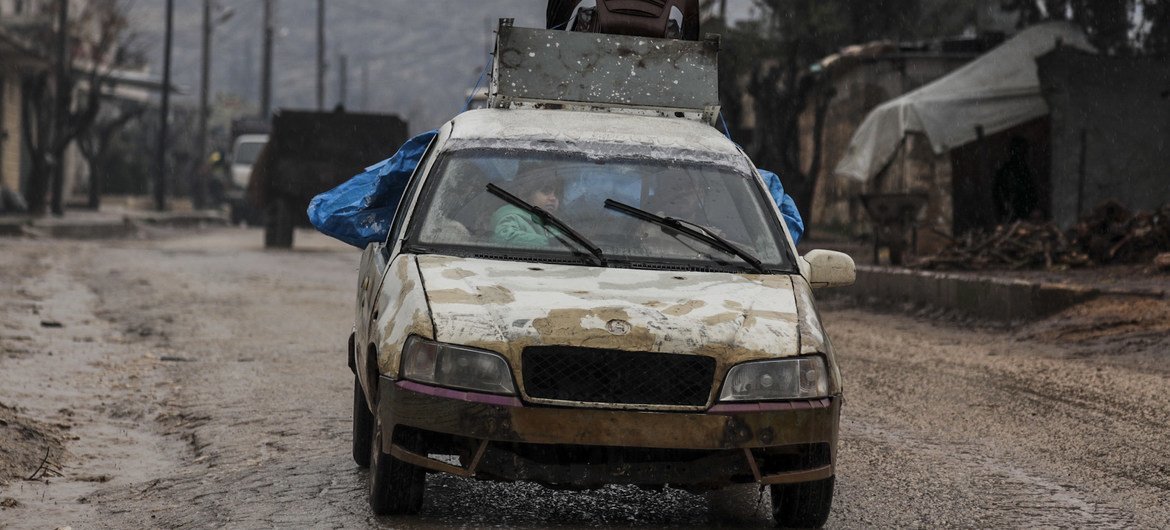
198	380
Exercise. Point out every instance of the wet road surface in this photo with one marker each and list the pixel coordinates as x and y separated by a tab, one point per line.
200	380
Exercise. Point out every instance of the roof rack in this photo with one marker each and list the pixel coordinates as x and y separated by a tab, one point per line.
554	69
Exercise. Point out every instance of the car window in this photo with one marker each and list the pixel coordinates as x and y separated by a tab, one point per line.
459	211
246	152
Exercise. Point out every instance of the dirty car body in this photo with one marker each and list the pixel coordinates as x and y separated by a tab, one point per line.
659	359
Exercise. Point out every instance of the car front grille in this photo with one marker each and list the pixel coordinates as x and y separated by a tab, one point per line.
618	377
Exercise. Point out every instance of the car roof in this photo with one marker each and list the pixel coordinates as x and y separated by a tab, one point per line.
591	127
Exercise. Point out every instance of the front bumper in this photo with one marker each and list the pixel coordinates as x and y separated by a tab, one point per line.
501	438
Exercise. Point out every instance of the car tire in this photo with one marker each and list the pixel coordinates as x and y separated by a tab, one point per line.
802	505
396	488
363	426
278	229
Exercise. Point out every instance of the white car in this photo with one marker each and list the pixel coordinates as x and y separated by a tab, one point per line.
588	298
245	150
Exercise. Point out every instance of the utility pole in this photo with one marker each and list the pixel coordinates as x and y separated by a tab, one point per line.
320	55
60	117
342	73
199	193
364	102
160	176
266	67
246	79
975	7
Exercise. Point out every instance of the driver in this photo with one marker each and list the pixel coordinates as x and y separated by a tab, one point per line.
516	227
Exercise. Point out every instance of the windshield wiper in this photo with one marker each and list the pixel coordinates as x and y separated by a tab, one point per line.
549	218
699	231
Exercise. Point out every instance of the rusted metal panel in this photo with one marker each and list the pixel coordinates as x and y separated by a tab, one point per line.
714	470
549	67
615	428
410	457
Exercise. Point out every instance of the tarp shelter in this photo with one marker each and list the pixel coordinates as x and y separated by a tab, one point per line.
996	92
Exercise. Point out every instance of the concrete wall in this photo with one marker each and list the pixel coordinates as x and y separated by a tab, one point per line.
1122	107
985	297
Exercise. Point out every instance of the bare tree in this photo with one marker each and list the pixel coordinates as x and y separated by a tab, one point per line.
1118	27
781	92
95	142
94	37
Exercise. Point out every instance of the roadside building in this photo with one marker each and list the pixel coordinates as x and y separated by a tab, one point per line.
18	60
857	80
977	142
26	53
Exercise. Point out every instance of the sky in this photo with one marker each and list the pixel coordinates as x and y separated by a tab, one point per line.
414	58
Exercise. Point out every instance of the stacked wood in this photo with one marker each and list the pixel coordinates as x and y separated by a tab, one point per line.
1110	234
1021	245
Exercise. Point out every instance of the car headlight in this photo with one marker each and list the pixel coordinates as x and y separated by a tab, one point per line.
449	365
796	378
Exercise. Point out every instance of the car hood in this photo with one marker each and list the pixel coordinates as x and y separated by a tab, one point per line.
505	306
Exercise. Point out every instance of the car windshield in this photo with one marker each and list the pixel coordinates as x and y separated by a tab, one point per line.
458	213
246	152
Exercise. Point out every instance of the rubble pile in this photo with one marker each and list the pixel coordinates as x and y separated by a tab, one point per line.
1110	234
1021	245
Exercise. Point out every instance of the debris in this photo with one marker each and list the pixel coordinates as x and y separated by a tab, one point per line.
40	467
1110	234
1022	245
1162	261
9	502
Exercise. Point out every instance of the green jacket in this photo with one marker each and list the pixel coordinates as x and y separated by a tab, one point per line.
516	227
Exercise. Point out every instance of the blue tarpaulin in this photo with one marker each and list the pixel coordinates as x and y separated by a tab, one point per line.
784	201
360	210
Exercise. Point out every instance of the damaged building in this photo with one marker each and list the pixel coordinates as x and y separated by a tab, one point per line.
1039	128
860	78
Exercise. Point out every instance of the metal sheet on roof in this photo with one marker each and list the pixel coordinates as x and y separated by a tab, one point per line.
559	67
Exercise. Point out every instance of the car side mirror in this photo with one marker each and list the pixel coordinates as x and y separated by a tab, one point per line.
827	268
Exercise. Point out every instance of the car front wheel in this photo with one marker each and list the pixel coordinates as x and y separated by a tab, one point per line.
395	486
802	505
363	426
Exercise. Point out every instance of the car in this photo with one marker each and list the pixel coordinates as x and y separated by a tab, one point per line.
245	151
581	298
